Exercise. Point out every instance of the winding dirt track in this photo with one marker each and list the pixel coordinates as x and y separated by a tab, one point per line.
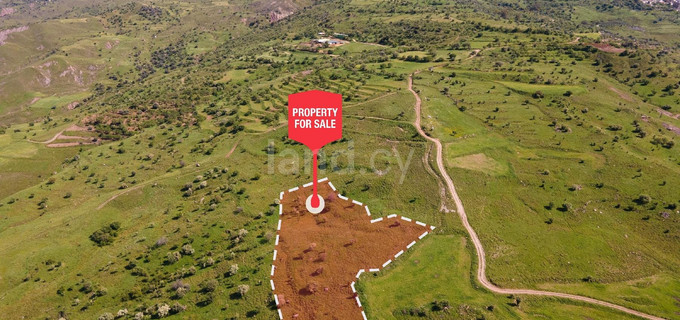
481	260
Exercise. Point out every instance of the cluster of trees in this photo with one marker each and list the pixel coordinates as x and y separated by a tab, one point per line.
106	234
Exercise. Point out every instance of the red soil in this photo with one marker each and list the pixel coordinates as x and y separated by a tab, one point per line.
318	256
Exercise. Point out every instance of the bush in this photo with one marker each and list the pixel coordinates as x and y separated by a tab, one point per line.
106	316
187	250
663	141
161	241
440	305
243	289
233	269
106	234
208	285
643	199
173	257
163	310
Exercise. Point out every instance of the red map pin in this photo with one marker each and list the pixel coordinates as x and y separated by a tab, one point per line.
315	119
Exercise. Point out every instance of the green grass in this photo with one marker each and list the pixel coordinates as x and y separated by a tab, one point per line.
510	153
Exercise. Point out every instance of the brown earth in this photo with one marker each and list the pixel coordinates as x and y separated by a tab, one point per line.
319	256
6	11
672	128
621	94
668	113
606	47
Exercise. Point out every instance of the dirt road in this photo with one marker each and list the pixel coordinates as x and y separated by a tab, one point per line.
481	259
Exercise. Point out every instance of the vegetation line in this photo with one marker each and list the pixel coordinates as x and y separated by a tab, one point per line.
481	259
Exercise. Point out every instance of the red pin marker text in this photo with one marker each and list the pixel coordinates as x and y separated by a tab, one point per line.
315	119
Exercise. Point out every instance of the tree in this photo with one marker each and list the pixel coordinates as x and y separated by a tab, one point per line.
208	285
106	234
187	250
643	199
106	316
233	269
243	289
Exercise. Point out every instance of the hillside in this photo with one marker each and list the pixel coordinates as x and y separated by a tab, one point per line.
143	146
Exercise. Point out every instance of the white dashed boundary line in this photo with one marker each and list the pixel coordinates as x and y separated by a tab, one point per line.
368	212
410	245
397	255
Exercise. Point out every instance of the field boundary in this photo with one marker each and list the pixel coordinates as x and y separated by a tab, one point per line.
360	271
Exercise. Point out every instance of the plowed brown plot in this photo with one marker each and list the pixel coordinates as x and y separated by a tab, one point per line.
319	257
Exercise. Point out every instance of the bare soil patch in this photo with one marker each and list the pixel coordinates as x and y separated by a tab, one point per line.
668	113
621	94
318	256
606	47
672	128
4	34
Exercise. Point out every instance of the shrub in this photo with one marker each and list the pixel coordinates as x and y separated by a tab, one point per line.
663	141
643	199
208	285
122	313
106	234
440	305
163	310
243	289
106	316
177	308
173	257
207	262
233	269
179	284
161	241
187	250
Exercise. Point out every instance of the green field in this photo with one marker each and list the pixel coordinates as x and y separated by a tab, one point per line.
562	151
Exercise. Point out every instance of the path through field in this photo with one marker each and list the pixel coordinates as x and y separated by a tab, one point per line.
481	259
156	179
